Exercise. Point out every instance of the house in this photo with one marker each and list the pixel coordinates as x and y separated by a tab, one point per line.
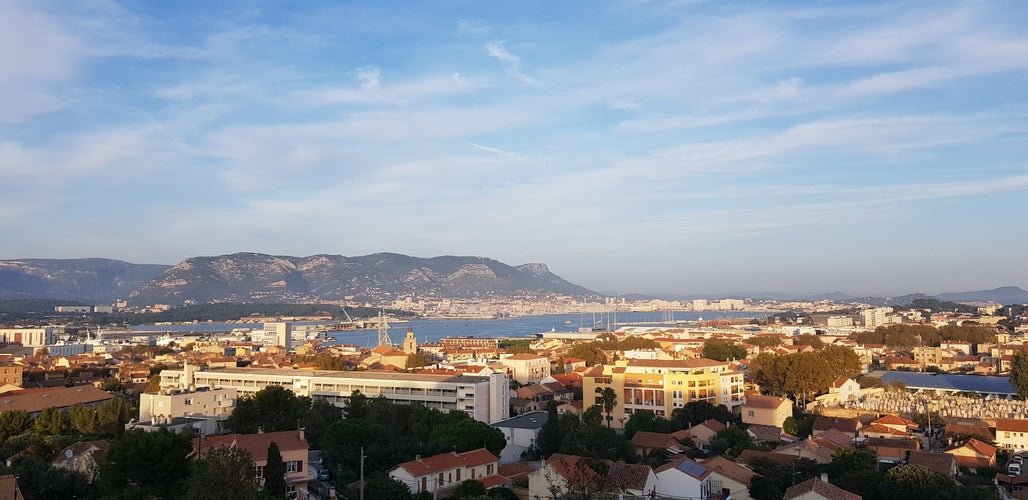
973	454
766	410
896	423
892	448
292	446
521	432
961	431
683	477
83	457
703	432
570	473
646	442
818	489
440	474
942	463
881	431
847	425
845	388
1012	434
526	368
9	488
733	477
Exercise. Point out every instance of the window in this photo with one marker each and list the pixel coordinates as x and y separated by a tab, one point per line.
258	471
294	466
489	469
750	413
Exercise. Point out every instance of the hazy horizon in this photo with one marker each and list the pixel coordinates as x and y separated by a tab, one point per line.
637	146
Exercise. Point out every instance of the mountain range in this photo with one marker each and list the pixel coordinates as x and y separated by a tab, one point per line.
254	277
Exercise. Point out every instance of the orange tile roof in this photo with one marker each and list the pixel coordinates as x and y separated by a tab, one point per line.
255	444
761	401
1011	425
446	461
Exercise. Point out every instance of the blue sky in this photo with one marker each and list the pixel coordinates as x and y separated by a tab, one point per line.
634	146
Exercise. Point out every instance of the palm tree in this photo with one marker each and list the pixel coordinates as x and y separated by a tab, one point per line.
609	400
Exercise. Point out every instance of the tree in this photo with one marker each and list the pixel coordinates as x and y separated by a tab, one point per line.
609	401
416	360
645	420
1019	373
153	384
53	421
275	473
730	441
83	419
808	339
273	408
224	472
721	350
466	435
111	384
14	422
111	417
469	488
550	434
593	416
916	482
588	351
379	486
146	464
356	405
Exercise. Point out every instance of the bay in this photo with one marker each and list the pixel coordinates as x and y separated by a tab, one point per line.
432	330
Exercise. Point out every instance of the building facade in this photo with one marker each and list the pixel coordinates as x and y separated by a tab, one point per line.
661	386
484	397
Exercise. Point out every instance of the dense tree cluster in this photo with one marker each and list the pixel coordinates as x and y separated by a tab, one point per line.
901	336
802	375
392	433
593	352
722	350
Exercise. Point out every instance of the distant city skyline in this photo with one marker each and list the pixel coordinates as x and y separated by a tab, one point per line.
872	148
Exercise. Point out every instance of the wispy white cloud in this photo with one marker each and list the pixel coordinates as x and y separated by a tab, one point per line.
369	77
512	63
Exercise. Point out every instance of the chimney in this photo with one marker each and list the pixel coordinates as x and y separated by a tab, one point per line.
260	429
824	477
302	429
417	457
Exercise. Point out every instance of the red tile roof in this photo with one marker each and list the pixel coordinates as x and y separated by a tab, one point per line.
819	487
255	444
446	461
761	401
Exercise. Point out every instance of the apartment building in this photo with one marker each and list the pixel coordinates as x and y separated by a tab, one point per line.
484	397
663	385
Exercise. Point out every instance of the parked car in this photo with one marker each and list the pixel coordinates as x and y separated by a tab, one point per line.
323	475
1014	469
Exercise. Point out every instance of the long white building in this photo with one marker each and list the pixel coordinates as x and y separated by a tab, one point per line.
484	397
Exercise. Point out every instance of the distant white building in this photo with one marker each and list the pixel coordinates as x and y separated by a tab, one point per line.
186	405
279	333
840	321
29	337
875	317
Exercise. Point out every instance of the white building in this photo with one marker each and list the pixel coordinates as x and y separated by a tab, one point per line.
29	337
521	432
442	474
484	397
279	333
527	368
840	321
876	317
187	405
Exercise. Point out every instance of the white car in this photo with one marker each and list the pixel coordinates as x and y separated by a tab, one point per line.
1014	469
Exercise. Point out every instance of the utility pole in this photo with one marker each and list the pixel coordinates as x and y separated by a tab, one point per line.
362	473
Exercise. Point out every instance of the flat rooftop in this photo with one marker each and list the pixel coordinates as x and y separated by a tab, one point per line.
982	384
530	420
326	374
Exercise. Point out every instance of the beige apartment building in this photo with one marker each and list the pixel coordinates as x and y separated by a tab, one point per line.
661	386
